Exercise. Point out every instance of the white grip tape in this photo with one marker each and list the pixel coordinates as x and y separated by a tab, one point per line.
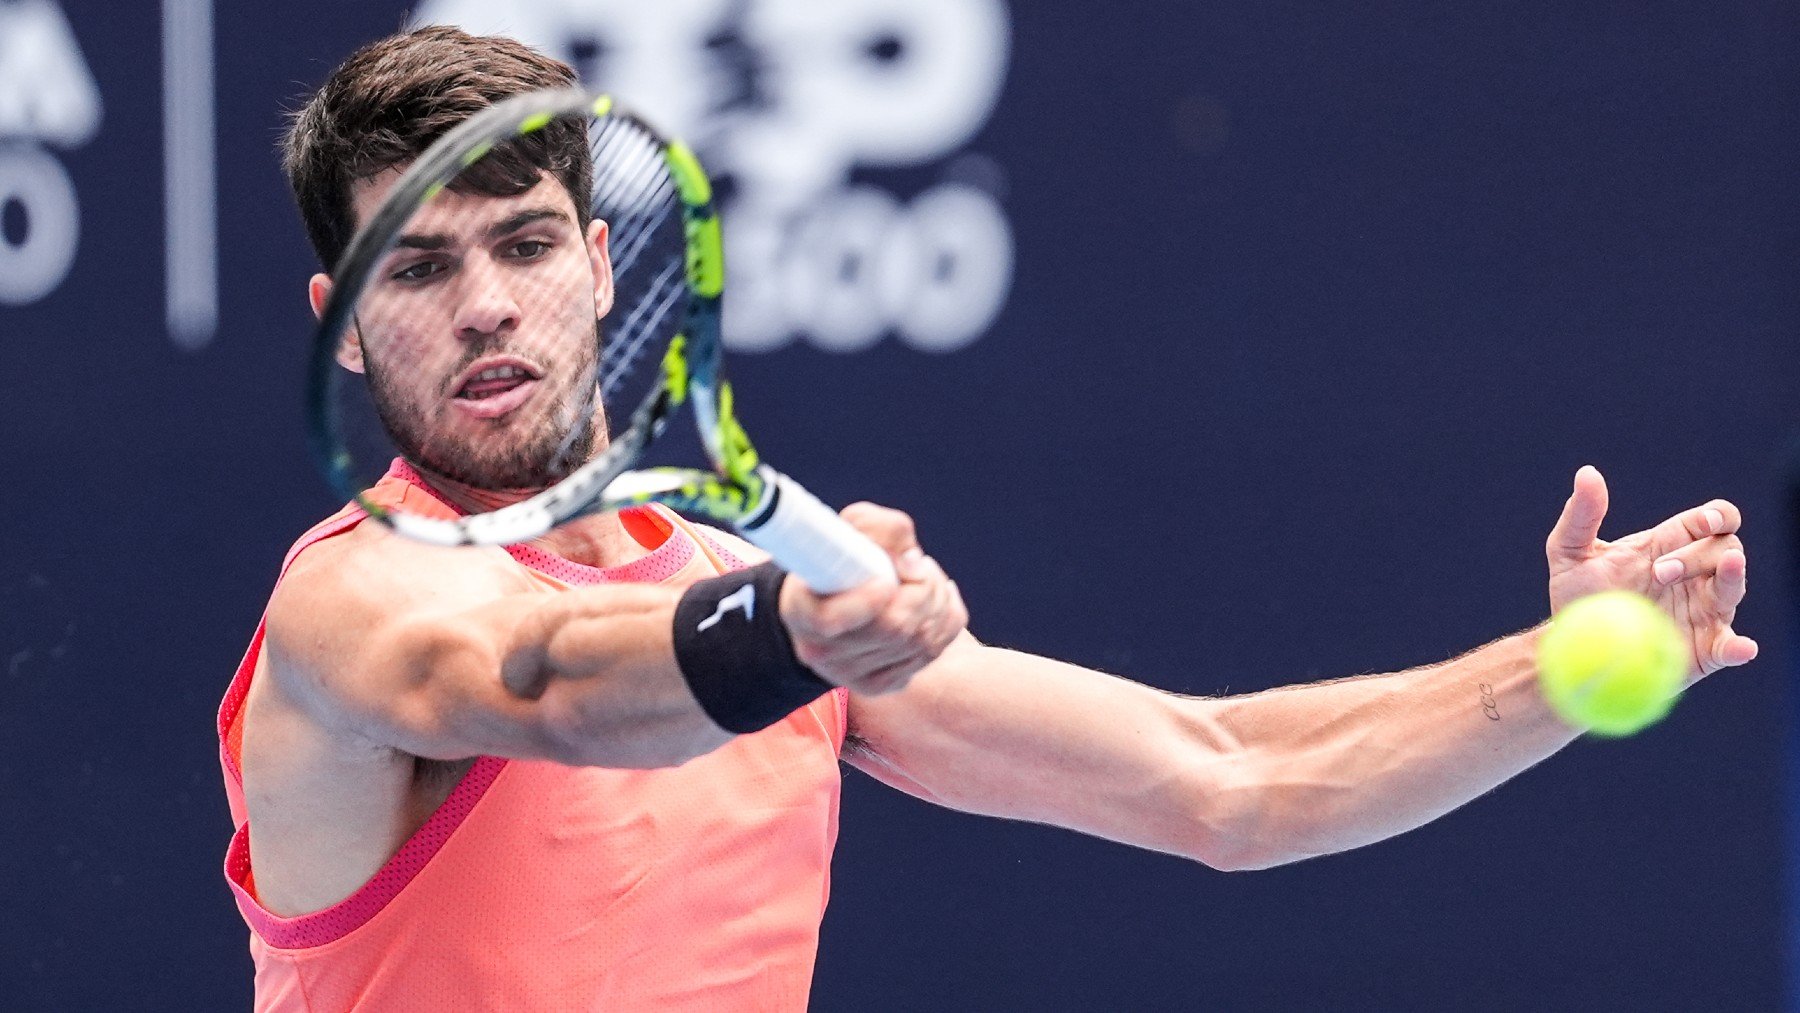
813	543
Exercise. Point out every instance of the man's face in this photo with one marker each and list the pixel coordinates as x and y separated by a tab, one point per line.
479	334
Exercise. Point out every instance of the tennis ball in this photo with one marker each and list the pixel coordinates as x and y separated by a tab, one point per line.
1612	663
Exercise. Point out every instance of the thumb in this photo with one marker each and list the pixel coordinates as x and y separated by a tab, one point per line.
1579	524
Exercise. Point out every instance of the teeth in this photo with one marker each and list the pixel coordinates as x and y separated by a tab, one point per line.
491	373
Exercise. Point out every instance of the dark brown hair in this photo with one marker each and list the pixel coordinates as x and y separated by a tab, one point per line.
386	104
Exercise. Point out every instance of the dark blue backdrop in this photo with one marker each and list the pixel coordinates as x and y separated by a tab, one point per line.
1317	308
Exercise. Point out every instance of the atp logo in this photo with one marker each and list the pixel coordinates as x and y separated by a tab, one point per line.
792	104
48	99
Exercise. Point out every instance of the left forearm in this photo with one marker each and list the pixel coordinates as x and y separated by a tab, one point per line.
1333	766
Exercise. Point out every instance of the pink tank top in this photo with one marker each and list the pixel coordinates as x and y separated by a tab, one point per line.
542	887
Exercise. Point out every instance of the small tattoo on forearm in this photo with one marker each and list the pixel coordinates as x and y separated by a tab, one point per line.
1489	705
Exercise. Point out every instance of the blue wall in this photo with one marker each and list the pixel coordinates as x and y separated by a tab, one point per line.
1315	312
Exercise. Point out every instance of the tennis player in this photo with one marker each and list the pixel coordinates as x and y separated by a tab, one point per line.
600	771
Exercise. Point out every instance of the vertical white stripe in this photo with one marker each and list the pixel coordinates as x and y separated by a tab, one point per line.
190	194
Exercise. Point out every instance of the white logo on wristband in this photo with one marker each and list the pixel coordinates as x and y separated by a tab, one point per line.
744	598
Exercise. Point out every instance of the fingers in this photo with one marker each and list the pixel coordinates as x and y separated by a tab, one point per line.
1730	650
1721	557
854	663
888	528
873	638
1731	579
1718	517
892	530
1698	559
953	620
915	626
945	616
845	612
1579	525
826	616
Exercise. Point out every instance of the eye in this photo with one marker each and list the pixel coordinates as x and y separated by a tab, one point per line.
418	271
530	249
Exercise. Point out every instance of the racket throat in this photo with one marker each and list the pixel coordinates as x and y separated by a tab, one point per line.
809	539
763	500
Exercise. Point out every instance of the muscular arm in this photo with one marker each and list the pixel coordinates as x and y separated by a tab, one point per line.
1237	783
444	655
1339	765
405	646
1252	781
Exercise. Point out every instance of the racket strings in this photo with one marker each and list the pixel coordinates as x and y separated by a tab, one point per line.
630	183
637	332
635	222
638	238
639	200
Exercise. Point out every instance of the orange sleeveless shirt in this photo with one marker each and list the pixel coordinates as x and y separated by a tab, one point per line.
542	887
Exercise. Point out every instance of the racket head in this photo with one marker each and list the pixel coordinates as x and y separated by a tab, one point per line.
519	342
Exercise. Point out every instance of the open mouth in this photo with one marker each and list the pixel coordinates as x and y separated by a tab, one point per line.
493	388
492	382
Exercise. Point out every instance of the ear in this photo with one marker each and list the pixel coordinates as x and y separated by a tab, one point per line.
601	261
349	353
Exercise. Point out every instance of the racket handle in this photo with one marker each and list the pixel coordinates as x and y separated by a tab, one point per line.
812	542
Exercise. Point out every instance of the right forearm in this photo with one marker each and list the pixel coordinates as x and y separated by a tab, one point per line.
652	677
601	665
615	675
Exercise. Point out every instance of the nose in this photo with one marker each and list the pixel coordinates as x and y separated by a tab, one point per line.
487	305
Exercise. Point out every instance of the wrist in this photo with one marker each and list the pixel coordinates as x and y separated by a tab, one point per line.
735	652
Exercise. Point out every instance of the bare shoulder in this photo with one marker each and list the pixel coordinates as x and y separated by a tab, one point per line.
341	597
330	779
343	588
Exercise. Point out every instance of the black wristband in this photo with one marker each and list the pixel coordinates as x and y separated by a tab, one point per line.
735	652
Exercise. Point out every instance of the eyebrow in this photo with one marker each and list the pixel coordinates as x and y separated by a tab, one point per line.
506	226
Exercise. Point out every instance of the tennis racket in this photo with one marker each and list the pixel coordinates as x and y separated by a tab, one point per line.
497	357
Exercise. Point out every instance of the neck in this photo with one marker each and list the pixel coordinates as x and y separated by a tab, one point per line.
599	540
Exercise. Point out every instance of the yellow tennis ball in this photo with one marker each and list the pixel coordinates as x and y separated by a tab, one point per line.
1612	663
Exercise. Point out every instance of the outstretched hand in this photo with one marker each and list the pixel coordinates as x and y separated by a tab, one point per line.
1692	565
